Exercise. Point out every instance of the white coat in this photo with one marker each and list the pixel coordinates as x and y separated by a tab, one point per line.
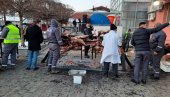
111	42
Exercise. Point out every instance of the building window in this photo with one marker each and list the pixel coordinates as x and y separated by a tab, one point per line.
142	15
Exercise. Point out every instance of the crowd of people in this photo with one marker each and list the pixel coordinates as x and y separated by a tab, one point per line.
148	44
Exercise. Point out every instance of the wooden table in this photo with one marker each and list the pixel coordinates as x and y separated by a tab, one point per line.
92	44
88	42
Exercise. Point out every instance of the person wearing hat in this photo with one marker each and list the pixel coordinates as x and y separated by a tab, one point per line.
11	36
110	55
140	41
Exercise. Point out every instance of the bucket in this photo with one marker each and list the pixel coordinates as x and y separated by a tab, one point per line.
77	72
77	75
165	66
77	79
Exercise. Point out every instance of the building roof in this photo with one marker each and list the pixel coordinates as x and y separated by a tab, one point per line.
102	8
79	15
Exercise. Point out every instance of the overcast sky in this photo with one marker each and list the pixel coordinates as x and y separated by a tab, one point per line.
82	5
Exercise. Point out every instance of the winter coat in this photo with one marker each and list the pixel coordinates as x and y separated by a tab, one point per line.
34	37
54	33
157	41
88	31
140	38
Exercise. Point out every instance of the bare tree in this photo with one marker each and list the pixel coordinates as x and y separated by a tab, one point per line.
4	9
58	11
43	9
22	7
51	9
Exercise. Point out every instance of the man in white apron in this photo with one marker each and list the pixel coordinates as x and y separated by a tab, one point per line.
110	54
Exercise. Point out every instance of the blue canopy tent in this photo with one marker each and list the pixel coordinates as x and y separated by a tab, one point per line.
99	19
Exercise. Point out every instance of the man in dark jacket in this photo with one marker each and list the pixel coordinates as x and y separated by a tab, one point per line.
74	23
88	31
34	37
55	41
140	40
157	42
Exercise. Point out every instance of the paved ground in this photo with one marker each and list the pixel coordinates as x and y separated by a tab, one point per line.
22	83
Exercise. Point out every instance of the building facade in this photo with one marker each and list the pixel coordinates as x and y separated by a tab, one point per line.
159	12
13	18
131	12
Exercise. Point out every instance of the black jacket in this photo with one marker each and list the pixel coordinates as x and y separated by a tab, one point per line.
88	31
140	38
157	41
34	37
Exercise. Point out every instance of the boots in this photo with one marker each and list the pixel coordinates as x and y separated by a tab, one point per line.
157	76
106	74
49	68
54	70
3	67
12	66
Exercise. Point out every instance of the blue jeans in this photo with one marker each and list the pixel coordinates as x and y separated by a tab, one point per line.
32	59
